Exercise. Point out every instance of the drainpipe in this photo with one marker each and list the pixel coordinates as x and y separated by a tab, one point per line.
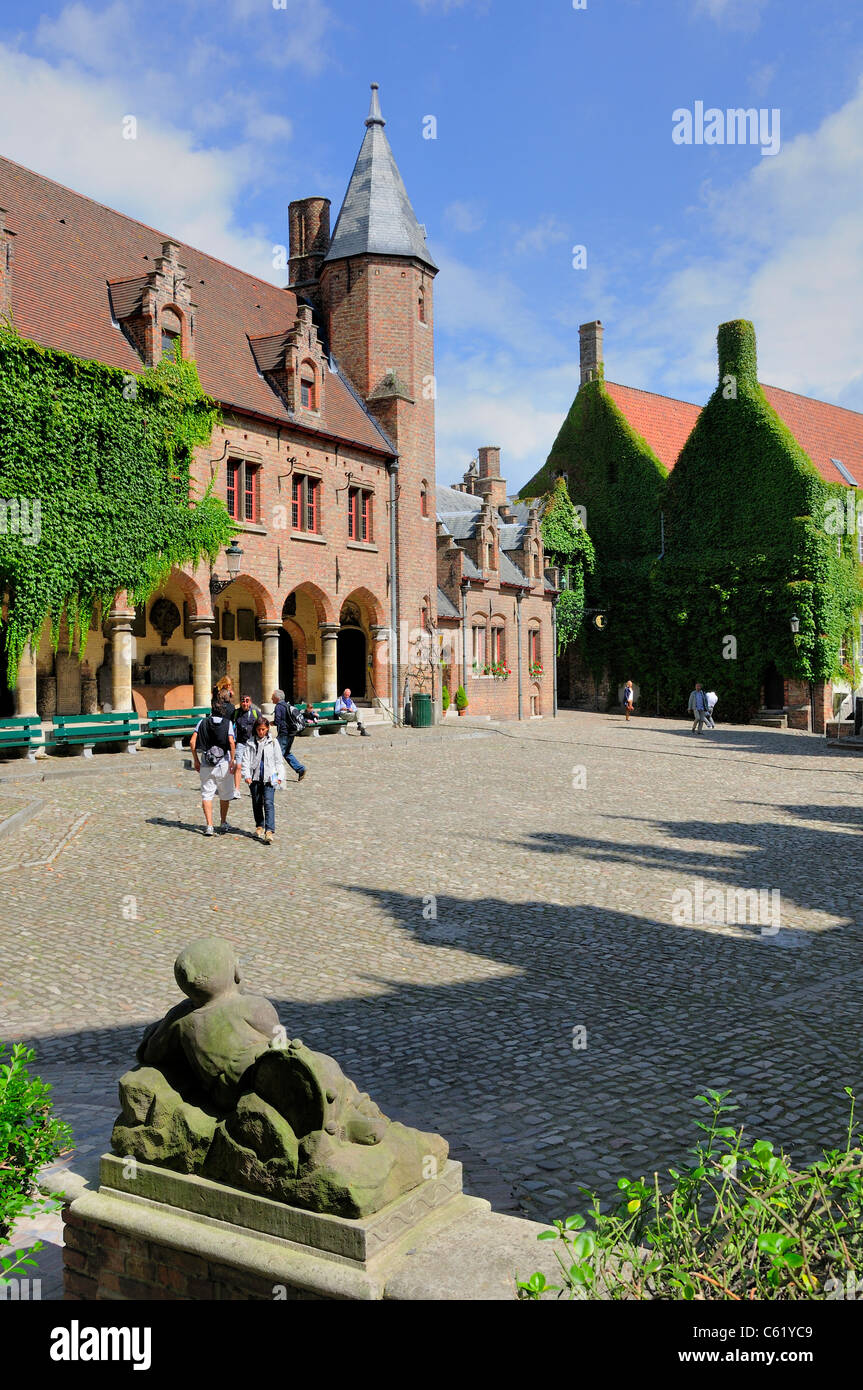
393	470
518	598
463	635
554	657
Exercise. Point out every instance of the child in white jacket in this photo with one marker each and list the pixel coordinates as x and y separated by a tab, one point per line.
263	768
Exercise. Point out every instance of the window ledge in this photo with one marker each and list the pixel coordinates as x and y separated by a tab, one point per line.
361	545
253	527
311	536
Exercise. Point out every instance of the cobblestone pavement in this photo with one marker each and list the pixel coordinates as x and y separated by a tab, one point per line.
551	852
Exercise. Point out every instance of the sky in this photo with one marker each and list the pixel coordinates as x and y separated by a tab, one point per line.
554	129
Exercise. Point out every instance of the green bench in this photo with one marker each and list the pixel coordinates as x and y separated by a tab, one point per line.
328	721
173	725
22	731
86	730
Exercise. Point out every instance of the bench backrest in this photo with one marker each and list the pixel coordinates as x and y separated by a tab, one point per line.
19	730
176	716
117	720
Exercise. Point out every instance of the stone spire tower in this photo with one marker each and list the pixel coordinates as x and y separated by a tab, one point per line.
376	292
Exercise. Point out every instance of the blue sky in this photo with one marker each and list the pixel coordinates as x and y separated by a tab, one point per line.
554	129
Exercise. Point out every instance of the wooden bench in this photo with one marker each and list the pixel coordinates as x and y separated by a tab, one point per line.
328	721
173	725
22	731
86	730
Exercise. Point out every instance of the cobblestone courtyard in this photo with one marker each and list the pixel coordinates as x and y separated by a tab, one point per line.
552	851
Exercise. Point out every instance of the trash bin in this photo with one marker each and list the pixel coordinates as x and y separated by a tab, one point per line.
422	710
858	715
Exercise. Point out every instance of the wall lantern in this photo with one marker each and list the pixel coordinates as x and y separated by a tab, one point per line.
234	557
795	624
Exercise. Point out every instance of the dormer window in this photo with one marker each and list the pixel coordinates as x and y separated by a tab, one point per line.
170	342
308	387
172	326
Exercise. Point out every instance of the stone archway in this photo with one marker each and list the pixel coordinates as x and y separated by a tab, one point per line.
351	661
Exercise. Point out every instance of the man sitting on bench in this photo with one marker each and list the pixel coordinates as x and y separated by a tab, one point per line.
346	709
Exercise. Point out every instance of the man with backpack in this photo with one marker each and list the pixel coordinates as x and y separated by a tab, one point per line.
214	750
289	722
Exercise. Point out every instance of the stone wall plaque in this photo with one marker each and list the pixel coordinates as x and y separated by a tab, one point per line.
228	625
218	663
245	624
170	668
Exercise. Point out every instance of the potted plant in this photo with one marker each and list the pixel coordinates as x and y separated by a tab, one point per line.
445	698
461	699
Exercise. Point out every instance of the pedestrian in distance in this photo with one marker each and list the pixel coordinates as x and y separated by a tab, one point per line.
346	709
628	699
698	708
263	768
214	749
289	722
712	702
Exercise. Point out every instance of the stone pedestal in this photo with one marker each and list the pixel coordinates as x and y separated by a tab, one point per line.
166	1235
118	625
329	660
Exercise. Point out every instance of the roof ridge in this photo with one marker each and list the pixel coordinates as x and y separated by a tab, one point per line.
165	236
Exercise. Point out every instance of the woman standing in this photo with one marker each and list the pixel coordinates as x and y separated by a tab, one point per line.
224	692
264	770
628	699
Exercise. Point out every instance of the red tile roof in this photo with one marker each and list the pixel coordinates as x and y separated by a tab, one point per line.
823	431
66	248
664	423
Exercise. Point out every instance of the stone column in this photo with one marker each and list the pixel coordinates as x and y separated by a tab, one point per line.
119	627
330	671
380	663
25	687
202	626
269	629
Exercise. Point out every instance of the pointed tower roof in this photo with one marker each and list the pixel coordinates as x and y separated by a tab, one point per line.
377	216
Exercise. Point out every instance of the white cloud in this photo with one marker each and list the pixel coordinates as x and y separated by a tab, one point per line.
737	14
464	217
98	40
73	133
293	35
547	232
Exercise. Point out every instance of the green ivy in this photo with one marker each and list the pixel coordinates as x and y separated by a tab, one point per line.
612	472
747	548
568	547
108	456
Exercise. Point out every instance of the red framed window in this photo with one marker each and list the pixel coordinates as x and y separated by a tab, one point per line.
233	488
242	494
366	531
305	503
250	493
307	392
533	645
353	513
497	644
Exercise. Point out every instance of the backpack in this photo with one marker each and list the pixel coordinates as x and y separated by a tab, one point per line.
294	720
213	735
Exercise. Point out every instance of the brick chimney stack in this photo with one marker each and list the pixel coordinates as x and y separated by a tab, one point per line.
309	234
590	351
5	266
489	484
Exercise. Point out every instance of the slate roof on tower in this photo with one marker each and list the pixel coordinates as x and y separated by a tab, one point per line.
376	215
76	264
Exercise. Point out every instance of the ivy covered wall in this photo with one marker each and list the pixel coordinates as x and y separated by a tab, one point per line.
107	457
613	473
747	548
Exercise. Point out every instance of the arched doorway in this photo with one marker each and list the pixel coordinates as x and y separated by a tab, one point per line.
286	665
774	688
351	665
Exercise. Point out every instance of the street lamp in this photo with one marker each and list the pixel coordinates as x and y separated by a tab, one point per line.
234	557
795	624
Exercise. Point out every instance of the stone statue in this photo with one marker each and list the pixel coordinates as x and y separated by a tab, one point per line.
220	1091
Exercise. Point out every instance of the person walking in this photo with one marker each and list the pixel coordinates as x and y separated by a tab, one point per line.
628	699
263	768
712	702
288	722
698	708
346	709
223	691
214	751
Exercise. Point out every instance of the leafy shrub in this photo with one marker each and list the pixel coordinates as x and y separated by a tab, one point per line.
739	1223
30	1138
445	698
461	698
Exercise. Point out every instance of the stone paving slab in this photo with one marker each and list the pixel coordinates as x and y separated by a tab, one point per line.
445	910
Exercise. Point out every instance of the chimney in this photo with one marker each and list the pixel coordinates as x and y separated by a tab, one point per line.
309	233
5	266
590	351
489	461
489	484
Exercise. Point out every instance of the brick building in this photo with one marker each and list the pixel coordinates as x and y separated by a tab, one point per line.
325	456
495	602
